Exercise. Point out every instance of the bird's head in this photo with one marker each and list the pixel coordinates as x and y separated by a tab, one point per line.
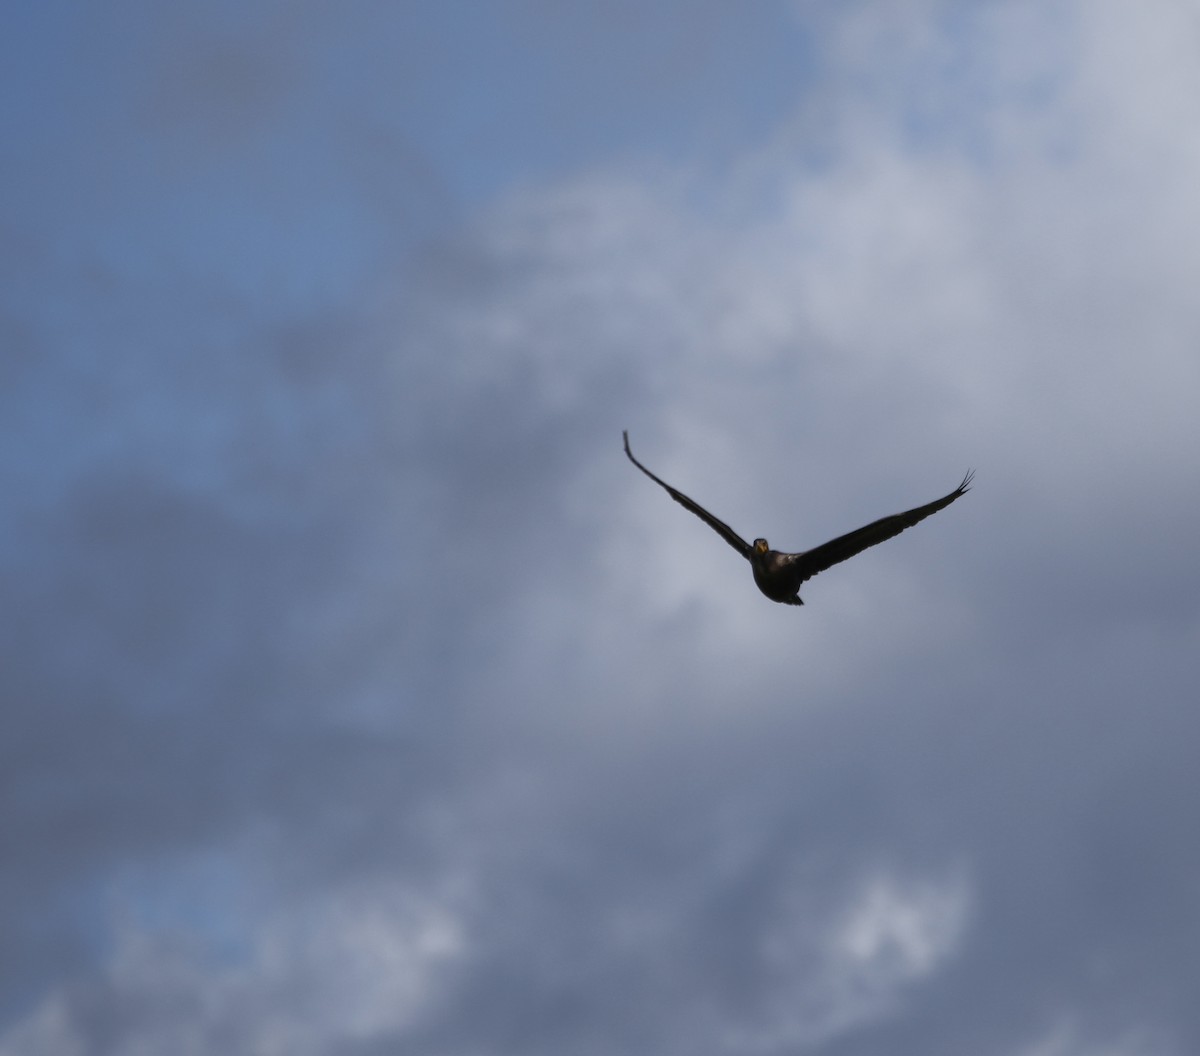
761	546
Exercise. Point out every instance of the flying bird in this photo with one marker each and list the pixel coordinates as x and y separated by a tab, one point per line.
779	575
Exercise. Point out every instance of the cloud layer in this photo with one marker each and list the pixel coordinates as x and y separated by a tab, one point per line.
361	698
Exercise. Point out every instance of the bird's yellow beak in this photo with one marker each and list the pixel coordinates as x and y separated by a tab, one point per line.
760	546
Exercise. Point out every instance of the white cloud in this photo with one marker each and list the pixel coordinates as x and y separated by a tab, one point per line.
1066	1038
354	964
901	932
838	971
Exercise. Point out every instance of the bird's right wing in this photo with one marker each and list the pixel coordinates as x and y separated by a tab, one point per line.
720	527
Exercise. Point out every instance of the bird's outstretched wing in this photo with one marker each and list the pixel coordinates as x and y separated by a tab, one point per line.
810	562
720	527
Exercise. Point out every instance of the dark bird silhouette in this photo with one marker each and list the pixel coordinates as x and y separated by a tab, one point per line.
779	575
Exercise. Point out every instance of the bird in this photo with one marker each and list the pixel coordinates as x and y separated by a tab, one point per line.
779	575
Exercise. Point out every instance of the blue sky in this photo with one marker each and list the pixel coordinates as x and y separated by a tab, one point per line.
360	697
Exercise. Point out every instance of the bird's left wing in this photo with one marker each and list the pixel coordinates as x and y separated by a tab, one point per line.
810	562
720	527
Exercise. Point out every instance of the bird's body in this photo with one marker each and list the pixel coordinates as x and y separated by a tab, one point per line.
776	576
779	575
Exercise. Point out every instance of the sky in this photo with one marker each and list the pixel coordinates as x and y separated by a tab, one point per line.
359	697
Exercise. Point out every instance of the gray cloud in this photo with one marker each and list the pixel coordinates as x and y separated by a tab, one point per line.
360	698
